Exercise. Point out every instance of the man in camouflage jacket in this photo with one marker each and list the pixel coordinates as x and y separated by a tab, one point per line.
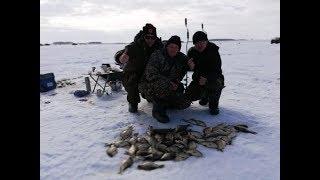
161	82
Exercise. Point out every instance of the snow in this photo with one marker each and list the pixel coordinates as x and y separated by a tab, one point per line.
73	132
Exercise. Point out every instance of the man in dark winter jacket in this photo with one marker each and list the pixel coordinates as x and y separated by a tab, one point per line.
161	82
207	79
133	60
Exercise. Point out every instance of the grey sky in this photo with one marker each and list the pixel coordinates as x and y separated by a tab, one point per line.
120	20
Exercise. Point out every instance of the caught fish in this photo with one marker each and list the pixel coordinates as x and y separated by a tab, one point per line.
158	137
221	144
196	122
151	140
232	135
121	143
155	155
125	164
167	156
181	128
143	146
162	147
243	125
174	149
243	129
142	152
181	156
125	134
132	150
149	166
160	131
192	145
142	140
194	152
132	140
112	150
209	144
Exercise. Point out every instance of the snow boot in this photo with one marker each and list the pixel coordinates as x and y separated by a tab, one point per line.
214	111
159	113
203	101
133	107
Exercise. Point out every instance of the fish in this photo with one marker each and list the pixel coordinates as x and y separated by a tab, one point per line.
132	150
155	155
212	139
151	140
121	143
167	156
232	135
221	144
195	122
126	164
181	156
243	125
243	129
174	149
149	166
160	131
143	146
112	150
209	144
125	134
193	135
132	140
180	146
207	130
181	128
142	152
162	147
216	133
158	137
169	136
192	145
142	140
194	152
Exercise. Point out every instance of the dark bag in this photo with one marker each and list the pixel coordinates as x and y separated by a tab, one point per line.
47	82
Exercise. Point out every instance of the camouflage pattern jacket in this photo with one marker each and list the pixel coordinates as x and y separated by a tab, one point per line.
160	70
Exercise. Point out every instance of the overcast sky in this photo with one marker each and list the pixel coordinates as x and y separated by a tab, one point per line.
120	20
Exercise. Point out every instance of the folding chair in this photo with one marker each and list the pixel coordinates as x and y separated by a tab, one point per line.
113	76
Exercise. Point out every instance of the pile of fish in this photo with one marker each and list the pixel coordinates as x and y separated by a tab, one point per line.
64	82
171	144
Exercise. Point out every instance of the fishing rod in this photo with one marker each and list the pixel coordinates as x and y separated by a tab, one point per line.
186	24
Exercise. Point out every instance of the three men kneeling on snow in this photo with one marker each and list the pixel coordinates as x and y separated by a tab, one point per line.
160	81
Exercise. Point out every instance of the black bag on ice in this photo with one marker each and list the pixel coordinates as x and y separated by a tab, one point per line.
47	82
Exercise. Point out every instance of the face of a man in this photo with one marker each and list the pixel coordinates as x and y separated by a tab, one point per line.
201	45
172	49
149	39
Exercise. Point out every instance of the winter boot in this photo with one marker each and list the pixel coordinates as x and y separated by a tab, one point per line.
159	113
203	101
133	107
214	111
213	106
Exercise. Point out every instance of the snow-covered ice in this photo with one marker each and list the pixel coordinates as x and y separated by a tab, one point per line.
73	132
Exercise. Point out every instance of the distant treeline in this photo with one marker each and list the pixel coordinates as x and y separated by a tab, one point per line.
69	43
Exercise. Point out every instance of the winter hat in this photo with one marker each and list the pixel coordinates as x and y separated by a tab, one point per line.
149	29
175	40
199	36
